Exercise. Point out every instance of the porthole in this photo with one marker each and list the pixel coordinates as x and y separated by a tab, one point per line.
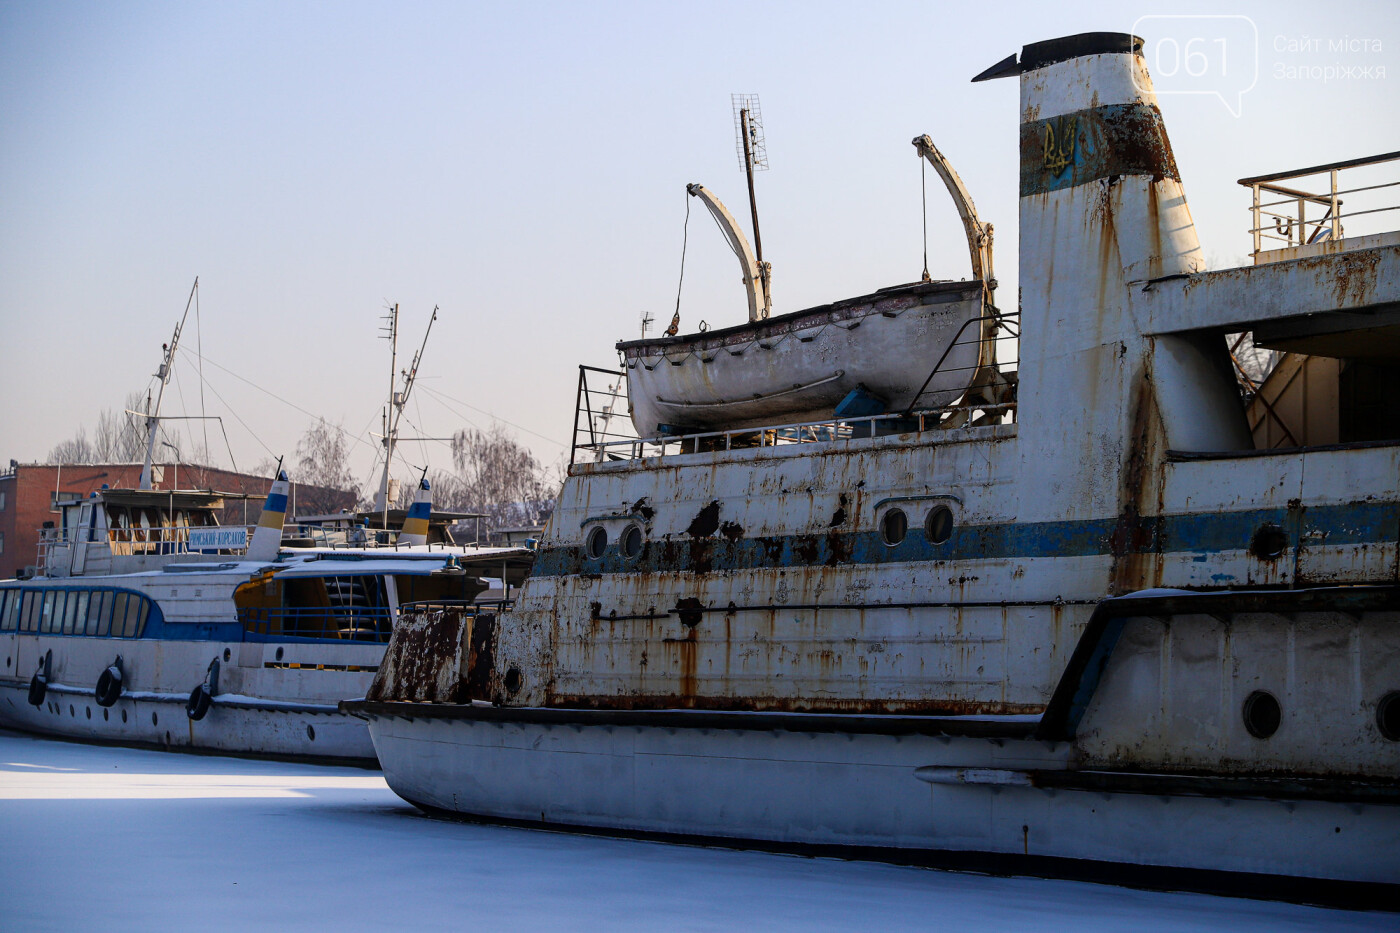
631	542
1262	714
89	711
1388	715
155	720
227	654
597	542
893	526
513	681
311	732
939	524
123	715
105	717
279	654
1269	542
71	711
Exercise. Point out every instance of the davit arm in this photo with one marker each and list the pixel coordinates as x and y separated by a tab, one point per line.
979	236
757	275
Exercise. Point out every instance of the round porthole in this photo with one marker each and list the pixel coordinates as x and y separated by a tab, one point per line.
1388	715
513	681
894	526
155	719
123	715
311	732
597	543
939	525
1269	542
631	542
1262	714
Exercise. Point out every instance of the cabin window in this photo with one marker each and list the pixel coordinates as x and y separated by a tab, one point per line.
118	613
1388	715
46	618
101	613
9	610
894	526
1262	714
597	542
29	614
631	542
81	626
939	526
70	614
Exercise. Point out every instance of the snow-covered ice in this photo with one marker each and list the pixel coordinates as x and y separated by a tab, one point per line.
114	839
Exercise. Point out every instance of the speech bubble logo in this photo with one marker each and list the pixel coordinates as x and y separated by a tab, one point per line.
1201	54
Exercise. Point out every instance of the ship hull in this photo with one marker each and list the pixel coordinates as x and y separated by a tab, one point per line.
752	783
274	699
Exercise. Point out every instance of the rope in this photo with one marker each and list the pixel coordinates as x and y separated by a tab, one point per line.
685	240
923	204
199	349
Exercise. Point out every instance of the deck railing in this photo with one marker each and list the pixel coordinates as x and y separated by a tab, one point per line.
1284	216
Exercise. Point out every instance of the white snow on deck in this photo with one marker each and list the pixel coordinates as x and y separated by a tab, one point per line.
115	839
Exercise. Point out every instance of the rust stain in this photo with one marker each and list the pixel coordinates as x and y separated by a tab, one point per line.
705	522
423	660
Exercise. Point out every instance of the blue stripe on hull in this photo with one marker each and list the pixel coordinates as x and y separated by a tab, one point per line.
1355	523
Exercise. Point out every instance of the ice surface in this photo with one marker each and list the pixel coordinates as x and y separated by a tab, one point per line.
115	839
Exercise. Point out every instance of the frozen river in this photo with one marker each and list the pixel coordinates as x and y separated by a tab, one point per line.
110	839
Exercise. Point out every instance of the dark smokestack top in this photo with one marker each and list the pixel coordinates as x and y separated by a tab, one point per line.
1039	54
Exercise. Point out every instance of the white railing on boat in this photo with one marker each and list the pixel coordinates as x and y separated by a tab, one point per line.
125	542
603	429
1286	222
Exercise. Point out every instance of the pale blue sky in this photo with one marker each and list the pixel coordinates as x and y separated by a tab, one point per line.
523	166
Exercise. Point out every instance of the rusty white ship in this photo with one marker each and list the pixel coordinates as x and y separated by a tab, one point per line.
1082	621
151	623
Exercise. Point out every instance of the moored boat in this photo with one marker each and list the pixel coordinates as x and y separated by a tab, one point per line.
151	623
1089	629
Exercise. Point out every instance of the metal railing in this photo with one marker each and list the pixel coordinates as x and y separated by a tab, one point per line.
1286	221
353	623
603	429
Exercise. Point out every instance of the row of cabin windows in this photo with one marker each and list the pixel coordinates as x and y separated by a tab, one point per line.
101	612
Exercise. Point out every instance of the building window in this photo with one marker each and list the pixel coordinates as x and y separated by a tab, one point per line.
2	534
2	501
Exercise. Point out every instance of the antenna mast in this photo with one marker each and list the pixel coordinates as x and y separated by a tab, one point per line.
753	153
397	401
163	374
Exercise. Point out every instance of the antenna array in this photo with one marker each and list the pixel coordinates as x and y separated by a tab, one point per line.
747	110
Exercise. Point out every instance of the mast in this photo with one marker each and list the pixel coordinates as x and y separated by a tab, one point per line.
397	401
753	152
163	374
748	170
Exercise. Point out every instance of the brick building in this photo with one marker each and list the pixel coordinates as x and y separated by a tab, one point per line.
27	492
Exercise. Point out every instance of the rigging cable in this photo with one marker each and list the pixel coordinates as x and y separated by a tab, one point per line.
199	348
685	240
923	204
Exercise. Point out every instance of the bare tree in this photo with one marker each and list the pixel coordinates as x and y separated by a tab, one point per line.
323	457
74	450
496	476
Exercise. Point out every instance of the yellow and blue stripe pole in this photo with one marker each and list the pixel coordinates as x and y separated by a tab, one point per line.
267	537
415	523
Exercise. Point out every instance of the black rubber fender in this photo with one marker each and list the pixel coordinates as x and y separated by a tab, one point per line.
197	706
38	687
109	686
